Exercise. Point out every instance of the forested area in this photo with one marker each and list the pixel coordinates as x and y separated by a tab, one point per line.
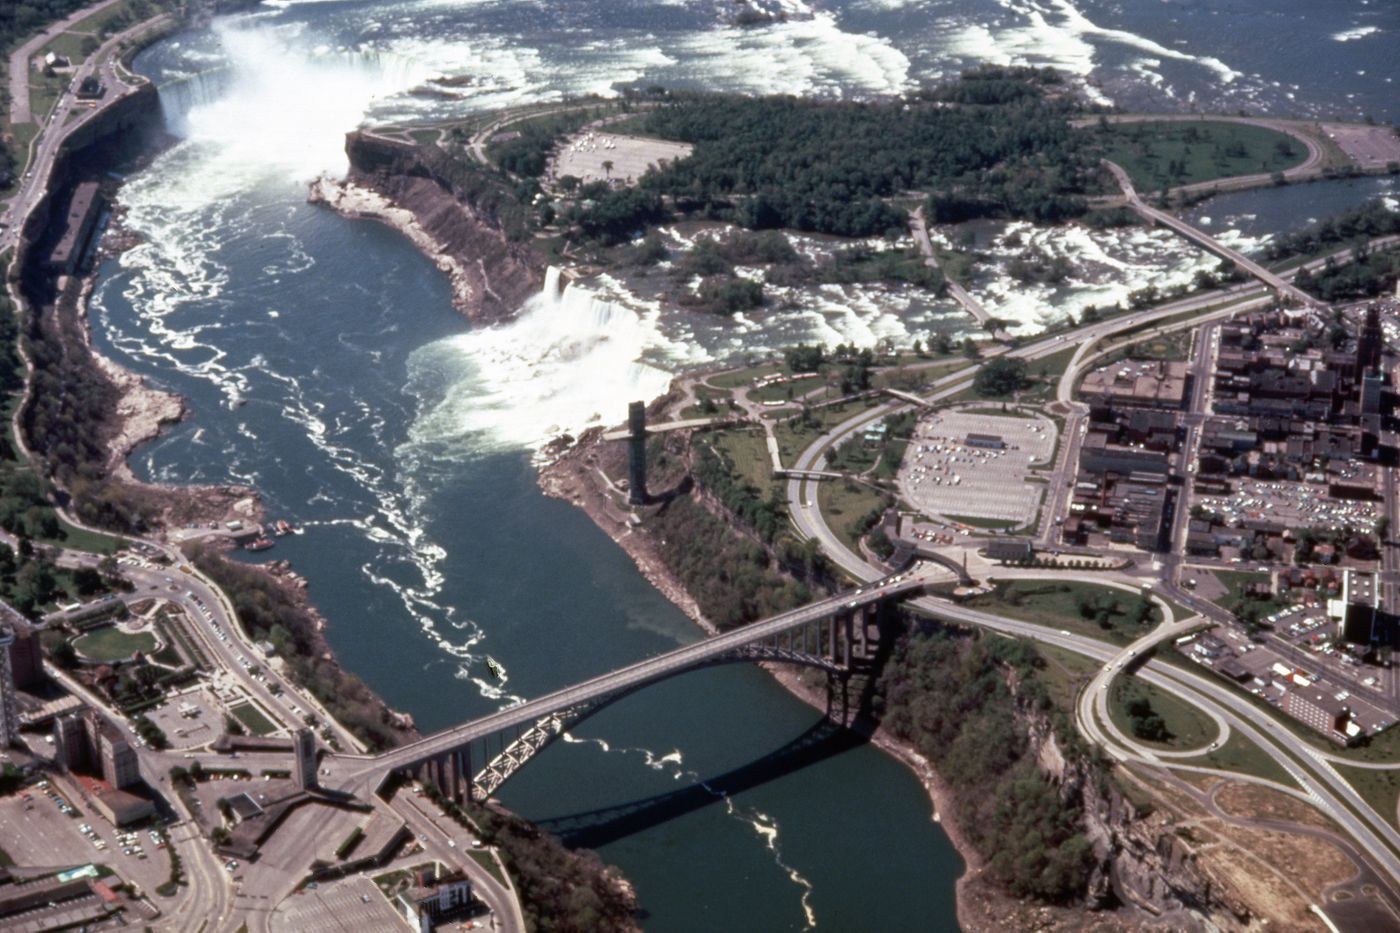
1369	272
1346	228
948	695
1006	150
559	890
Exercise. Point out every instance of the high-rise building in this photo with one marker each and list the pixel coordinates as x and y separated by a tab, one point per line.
26	654
1369	342
110	752
70	742
304	758
9	703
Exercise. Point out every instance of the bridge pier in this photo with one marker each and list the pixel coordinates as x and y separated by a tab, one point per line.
451	774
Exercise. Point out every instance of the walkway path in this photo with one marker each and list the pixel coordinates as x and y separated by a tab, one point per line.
1284	288
960	294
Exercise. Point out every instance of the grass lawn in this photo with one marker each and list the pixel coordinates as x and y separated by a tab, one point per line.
1169	153
1241	755
786	391
1237	581
111	644
845	504
741	378
1056	605
1064	673
1188	726
795	437
748	448
1380	789
486	861
253	719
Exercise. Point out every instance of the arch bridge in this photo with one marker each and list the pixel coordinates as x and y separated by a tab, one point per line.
472	760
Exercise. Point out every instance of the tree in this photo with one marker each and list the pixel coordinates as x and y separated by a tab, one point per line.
1001	376
607	168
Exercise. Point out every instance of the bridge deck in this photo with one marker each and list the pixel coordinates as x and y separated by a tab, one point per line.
352	772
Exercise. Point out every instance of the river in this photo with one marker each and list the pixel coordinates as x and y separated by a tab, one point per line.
325	366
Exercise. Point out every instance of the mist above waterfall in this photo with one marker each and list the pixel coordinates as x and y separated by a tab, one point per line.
572	359
277	101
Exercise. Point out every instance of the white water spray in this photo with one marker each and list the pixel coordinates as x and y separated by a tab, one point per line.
572	359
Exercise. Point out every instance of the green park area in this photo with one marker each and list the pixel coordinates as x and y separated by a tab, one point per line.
1086	609
253	719
1170	153
1143	712
112	644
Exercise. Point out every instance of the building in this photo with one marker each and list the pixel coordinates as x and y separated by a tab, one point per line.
26	654
9	701
70	742
1356	608
1098	455
1010	550
986	441
1139	383
83	208
1320	711
90	742
120	807
434	899
637	453
120	766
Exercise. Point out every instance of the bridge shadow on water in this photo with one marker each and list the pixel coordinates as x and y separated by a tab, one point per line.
594	828
848	724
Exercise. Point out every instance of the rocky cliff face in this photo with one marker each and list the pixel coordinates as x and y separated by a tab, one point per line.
1143	865
466	222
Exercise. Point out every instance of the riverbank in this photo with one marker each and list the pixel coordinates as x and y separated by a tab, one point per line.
577	476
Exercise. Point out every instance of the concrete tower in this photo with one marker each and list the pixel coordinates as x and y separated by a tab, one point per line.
9	703
304	758
637	454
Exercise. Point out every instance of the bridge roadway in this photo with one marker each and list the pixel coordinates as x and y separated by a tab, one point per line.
361	774
1273	281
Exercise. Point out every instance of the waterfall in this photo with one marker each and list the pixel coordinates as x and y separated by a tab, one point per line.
572	359
279	104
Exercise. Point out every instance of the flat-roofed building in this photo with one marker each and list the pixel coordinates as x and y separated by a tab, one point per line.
1141	383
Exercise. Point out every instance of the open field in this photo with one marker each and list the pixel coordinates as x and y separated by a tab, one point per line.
1168	154
112	644
1072	606
1188	727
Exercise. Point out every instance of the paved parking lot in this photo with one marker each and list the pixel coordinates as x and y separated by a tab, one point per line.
628	157
190	719
352	905
945	476
1293	505
36	833
1373	147
1267	663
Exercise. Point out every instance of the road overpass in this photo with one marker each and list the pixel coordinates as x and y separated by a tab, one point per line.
1275	282
822	634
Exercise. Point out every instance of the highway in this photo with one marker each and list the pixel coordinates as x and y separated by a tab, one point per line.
70	114
1311	768
20	60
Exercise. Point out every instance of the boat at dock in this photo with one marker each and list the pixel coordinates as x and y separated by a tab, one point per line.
261	544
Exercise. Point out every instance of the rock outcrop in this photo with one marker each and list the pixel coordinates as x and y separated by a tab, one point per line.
470	220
